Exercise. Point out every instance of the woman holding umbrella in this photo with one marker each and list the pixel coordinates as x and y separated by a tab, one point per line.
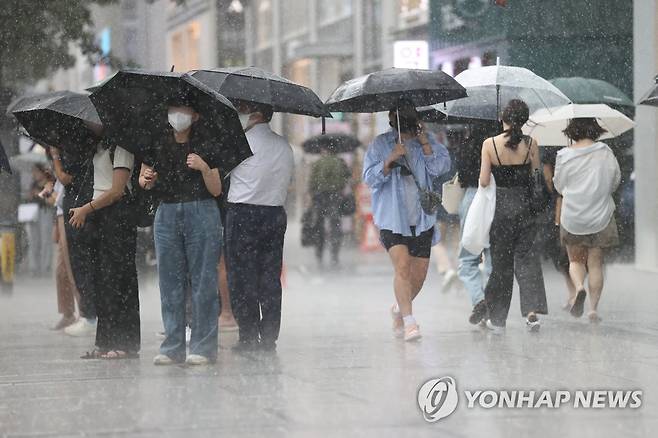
394	163
187	231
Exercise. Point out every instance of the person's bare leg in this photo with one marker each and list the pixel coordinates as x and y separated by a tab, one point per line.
595	279
402	282
577	266
419	268
571	289
226	318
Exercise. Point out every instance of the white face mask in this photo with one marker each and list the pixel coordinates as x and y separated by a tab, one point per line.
179	121
244	120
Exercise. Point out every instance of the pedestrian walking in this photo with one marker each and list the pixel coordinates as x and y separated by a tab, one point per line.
182	170
586	175
550	225
468	159
327	182
256	224
113	234
394	164
511	157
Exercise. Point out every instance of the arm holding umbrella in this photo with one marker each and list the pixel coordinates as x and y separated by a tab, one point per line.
376	163
60	173
436	156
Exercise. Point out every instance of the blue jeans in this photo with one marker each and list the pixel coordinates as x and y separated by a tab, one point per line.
469	264
187	244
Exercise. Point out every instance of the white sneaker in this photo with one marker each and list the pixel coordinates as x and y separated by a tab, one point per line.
81	328
412	333
197	359
495	329
163	359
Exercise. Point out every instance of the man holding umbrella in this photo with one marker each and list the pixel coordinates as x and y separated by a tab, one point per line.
256	224
397	165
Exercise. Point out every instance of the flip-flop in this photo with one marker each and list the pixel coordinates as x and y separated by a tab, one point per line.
578	305
118	355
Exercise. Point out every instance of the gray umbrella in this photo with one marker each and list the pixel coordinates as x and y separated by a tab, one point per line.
253	84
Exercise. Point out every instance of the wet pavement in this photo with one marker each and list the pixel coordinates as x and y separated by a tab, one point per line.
338	371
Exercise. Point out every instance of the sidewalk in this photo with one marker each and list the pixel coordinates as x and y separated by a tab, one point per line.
338	371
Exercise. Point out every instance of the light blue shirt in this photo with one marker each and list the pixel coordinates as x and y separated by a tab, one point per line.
388	191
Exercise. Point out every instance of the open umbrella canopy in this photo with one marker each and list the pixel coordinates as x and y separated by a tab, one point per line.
62	119
588	90
133	108
547	126
384	90
490	88
253	84
337	143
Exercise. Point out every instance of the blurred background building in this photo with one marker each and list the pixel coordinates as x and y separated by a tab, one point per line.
321	43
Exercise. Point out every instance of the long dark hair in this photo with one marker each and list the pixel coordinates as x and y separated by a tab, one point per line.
516	114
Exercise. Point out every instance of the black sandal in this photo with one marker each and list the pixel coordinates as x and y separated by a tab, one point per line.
579	304
118	355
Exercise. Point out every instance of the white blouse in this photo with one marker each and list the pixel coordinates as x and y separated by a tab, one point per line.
586	178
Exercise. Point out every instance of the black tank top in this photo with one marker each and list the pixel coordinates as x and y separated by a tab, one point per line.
512	175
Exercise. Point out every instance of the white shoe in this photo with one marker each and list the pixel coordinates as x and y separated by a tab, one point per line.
495	329
81	328
412	333
163	359
197	359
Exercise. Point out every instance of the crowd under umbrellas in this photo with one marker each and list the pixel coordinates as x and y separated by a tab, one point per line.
129	110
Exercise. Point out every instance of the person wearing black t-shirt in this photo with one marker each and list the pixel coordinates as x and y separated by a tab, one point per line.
187	228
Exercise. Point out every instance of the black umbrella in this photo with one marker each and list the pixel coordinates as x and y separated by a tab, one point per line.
253	84
337	143
383	90
62	119
4	161
133	108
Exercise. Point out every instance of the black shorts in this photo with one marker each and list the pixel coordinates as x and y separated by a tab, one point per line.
418	246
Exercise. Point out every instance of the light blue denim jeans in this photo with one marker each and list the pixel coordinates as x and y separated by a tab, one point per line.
187	243
469	264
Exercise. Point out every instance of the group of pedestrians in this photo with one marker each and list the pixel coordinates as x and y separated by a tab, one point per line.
198	252
400	166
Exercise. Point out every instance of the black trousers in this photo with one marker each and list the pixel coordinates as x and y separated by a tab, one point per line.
80	253
115	278
254	258
514	252
327	207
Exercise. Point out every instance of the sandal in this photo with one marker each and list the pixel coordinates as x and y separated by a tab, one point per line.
118	355
578	304
93	354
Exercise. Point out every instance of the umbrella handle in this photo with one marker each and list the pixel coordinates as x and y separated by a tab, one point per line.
324	125
397	114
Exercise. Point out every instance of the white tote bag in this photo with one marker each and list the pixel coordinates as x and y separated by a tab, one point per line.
452	196
477	225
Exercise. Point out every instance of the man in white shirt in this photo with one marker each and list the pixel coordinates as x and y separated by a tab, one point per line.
255	227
